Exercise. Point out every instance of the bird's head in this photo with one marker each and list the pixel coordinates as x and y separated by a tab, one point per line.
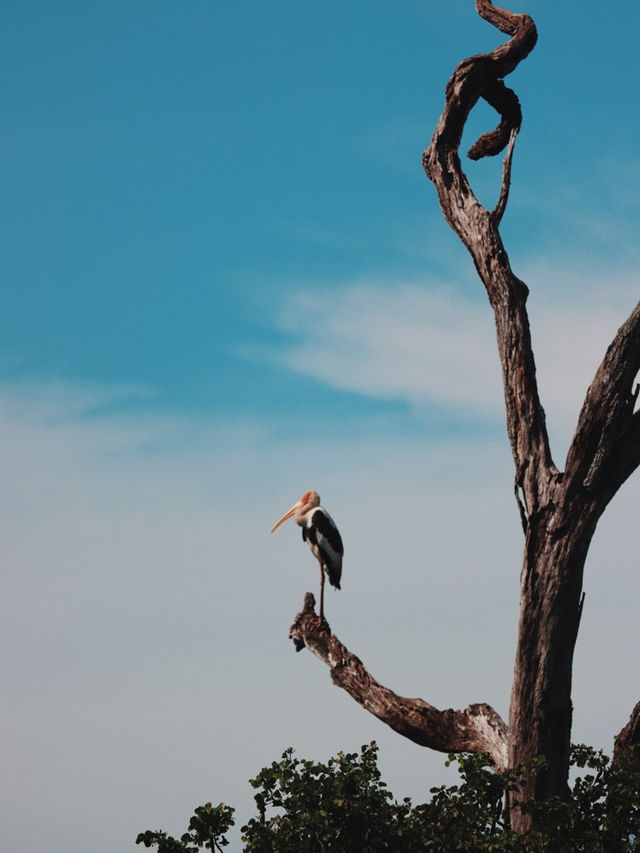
300	508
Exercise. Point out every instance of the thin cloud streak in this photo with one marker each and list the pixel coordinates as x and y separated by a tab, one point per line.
395	342
427	345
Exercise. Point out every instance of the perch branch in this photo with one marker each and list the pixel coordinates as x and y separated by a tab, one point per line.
477	728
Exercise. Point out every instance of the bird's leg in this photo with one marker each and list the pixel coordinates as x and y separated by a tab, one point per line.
321	590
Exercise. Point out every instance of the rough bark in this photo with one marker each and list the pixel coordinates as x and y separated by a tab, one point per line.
629	737
477	728
559	511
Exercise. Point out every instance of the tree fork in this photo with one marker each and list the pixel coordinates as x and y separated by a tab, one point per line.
559	511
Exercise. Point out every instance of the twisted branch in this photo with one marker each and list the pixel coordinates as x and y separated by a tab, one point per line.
477	77
559	513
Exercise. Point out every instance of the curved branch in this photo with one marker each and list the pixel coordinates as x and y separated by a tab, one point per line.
477	728
505	102
606	446
481	77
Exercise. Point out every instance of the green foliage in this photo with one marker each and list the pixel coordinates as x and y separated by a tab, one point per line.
207	830
471	815
602	813
344	806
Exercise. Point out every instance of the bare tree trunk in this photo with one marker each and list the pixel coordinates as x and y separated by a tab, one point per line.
559	511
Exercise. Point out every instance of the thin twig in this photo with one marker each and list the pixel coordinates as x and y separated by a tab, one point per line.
498	212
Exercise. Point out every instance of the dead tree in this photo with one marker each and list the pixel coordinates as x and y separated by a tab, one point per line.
559	510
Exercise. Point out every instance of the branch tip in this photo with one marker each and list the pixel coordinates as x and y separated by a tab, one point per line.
501	206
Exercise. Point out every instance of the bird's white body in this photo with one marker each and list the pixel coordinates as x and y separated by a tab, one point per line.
320	533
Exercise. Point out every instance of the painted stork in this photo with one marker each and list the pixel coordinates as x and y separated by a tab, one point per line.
321	535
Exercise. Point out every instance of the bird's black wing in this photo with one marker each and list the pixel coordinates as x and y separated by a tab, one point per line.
326	536
322	524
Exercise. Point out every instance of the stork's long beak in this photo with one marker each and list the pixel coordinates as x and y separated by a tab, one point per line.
287	515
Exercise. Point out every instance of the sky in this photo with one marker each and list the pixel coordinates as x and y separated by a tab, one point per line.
225	280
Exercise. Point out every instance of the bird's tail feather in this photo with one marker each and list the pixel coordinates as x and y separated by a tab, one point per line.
334	575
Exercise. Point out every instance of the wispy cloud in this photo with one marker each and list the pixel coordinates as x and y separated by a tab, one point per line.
395	342
592	222
49	400
435	345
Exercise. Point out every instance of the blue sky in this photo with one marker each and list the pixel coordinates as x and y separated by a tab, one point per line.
175	172
225	280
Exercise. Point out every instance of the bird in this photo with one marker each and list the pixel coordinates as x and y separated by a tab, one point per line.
321	535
